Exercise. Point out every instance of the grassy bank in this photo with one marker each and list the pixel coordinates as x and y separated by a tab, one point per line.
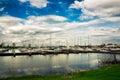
111	72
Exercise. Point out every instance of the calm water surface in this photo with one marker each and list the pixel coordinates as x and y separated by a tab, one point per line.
50	64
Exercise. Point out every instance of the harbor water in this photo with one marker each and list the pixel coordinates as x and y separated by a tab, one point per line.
51	64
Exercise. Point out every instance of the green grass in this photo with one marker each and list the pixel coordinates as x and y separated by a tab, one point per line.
111	72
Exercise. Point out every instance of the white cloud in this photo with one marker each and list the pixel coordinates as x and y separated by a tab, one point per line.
1	9
48	18
104	8
8	21
39	28
39	3
23	1
16	28
36	3
34	24
74	25
76	5
102	31
112	19
97	35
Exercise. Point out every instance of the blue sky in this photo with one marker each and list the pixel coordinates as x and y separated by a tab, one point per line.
53	7
34	20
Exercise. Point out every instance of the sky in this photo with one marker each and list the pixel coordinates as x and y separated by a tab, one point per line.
62	21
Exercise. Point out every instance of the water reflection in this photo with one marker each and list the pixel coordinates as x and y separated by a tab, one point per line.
50	64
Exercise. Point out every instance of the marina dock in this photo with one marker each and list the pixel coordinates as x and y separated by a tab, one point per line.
14	50
55	52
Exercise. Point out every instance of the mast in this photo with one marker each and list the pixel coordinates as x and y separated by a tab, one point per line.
50	42
88	40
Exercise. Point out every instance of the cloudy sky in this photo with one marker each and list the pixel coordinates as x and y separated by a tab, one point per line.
66	21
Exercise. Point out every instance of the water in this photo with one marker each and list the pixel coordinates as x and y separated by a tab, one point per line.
50	64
